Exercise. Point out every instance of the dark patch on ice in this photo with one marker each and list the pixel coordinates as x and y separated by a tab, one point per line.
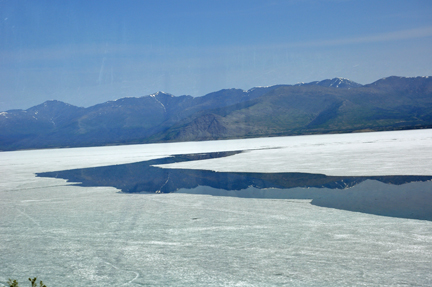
398	196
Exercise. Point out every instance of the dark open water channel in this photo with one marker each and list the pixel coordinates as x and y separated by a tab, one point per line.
396	196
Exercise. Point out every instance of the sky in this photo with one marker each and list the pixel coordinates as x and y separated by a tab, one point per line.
86	52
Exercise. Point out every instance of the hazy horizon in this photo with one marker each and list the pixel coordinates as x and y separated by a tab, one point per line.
84	53
156	92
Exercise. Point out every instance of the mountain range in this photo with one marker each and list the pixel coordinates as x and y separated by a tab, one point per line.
330	106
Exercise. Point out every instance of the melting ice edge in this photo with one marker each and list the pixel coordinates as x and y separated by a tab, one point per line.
396	196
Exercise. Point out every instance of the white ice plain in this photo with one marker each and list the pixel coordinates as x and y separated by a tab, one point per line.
95	236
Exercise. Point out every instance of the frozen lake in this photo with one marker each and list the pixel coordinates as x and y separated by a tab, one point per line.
97	236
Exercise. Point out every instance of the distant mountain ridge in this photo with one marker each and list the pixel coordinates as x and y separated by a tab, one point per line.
334	83
328	106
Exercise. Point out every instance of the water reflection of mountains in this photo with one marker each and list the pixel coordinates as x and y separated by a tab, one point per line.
144	177
381	195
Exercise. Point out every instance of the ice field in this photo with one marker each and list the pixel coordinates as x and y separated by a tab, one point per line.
69	235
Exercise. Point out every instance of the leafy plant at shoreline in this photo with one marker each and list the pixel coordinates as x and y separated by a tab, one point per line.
33	282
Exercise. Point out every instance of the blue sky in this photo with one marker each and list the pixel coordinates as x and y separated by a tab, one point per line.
87	52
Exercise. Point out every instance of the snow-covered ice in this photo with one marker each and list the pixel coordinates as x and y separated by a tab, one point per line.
362	154
95	236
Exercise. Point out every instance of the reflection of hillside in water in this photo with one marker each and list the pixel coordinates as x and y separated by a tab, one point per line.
383	195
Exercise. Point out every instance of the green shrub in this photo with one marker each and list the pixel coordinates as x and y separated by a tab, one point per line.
33	282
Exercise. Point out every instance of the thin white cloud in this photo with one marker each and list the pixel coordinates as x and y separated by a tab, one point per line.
58	53
422	32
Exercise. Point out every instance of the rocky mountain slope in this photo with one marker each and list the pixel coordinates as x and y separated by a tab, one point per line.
329	106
